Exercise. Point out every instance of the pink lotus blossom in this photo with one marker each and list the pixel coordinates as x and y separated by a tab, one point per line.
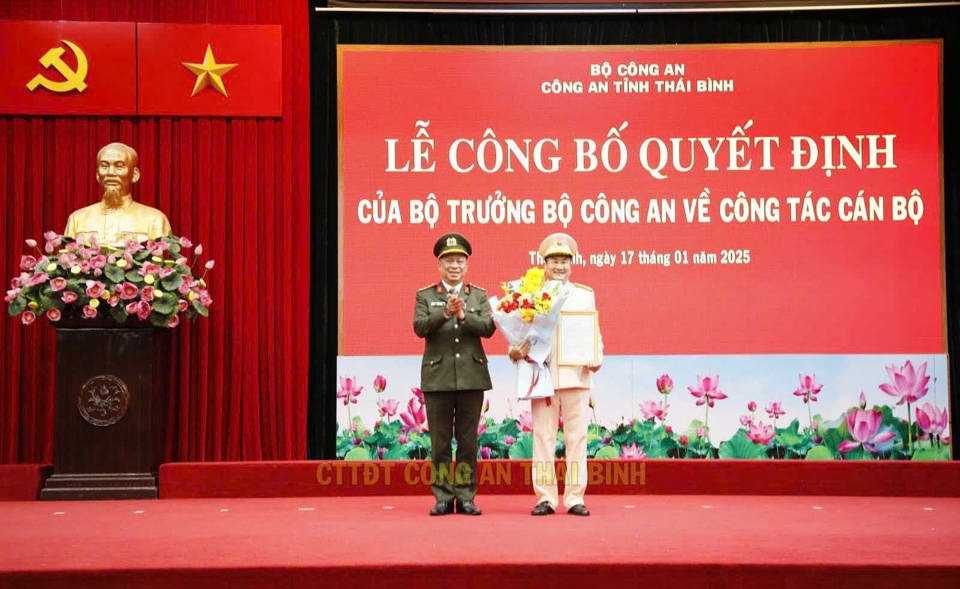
402	438
701	431
53	314
862	401
181	261
632	452
165	272
481	427
131	247
28	317
57	284
388	407
184	242
668	429
864	428
417	393
27	263
379	383
664	384
95	288
707	391
415	418
486	405
380	452
69	296
509	440
31	242
684	440
908	385
485	453
746	420
209	265
525	421
752	406
89	312
931	420
348	391
198	250
809	389
759	433
652	410
205	298
775	410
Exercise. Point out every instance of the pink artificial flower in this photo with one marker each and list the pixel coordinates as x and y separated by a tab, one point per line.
349	391
180	262
27	263
388	407
69	296
485	453
664	384
114	300
95	288
89	312
205	298
908	385
146	293
379	383
28	317
809	389
415	418
760	433
127	291
182	305
931	420
39	278
131	247
53	314
209	265
752	406
165	272
57	284
184	242
149	268
632	452
775	410
174	321
98	262
525	421
12	294
652	410
864	428
707	391
30	242
198	250
417	393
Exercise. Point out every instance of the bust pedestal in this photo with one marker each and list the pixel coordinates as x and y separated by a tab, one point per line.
112	382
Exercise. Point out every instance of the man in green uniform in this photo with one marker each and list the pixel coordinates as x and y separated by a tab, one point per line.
452	316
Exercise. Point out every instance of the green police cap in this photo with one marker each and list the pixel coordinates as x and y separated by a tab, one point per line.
452	243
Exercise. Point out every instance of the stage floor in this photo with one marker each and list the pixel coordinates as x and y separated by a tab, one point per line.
390	541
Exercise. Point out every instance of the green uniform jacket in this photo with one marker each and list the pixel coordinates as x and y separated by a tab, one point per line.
453	357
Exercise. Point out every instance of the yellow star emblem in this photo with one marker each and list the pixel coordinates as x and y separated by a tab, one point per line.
209	73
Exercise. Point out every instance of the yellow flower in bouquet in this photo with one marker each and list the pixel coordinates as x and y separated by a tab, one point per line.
526	296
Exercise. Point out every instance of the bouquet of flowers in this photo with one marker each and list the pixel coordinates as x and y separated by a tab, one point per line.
152	280
529	310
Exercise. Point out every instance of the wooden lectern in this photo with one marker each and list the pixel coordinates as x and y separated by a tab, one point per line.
111	393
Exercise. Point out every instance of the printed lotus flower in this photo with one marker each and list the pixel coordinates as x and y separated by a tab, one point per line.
652	410
509	440
752	406
525	422
775	410
485	453
760	433
864	428
707	392
632	452
417	393
481	427
931	420
379	383
388	407
415	418
664	384
907	384
348	391
808	389
684	440
81	272
746	420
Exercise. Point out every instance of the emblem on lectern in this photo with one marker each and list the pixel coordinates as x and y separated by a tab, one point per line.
103	400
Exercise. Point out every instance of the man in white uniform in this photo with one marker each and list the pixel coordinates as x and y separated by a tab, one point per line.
572	396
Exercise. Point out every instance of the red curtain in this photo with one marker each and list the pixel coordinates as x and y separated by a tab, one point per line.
239	186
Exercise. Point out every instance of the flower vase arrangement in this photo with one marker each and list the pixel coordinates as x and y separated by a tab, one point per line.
151	281
529	310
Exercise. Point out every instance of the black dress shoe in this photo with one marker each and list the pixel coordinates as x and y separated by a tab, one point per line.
580	509
542	508
468	508
442	508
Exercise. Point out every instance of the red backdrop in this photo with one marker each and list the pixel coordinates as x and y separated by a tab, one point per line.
239	186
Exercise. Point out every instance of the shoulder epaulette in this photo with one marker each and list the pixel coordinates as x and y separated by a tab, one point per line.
480	288
583	286
427	287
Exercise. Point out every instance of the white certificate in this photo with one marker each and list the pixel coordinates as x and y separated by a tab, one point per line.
578	338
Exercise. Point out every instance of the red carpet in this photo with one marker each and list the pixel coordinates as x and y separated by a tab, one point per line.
692	541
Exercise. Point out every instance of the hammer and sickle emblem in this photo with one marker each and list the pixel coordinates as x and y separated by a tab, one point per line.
73	80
